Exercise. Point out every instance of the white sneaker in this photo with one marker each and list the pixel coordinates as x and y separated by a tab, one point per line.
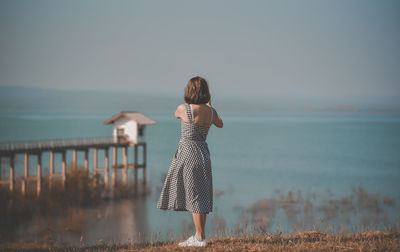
192	241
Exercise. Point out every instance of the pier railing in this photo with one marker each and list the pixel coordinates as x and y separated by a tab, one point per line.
45	144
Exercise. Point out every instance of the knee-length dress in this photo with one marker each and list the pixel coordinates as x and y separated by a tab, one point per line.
188	184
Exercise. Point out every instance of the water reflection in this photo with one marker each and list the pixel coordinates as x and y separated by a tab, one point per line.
302	212
126	221
113	222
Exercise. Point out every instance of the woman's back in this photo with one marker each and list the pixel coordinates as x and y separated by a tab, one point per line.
192	130
201	114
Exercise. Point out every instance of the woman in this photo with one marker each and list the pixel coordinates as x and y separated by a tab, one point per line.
188	185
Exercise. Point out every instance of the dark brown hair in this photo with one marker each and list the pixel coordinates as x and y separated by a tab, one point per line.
196	91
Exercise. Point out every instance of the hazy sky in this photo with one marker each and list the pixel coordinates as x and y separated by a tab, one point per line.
280	47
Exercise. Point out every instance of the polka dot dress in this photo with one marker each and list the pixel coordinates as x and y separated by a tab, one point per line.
188	185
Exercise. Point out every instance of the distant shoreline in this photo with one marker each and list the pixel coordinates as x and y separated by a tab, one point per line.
50	100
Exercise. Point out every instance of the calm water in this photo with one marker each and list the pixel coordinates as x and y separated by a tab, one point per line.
254	157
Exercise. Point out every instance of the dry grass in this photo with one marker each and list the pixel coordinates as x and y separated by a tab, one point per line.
302	241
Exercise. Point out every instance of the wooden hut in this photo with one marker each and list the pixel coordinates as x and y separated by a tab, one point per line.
129	126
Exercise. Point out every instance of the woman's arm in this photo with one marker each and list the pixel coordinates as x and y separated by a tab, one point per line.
180	111
217	120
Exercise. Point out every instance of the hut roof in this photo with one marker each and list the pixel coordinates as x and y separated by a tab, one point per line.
136	116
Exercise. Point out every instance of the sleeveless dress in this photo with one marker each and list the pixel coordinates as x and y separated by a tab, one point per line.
188	184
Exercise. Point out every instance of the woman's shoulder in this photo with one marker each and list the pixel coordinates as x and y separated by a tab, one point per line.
181	106
180	110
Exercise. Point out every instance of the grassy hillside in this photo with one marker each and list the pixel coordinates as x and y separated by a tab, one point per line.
303	241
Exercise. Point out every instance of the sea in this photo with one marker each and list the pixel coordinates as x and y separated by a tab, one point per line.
272	172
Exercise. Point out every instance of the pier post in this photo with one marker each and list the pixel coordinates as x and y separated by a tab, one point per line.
96	169
125	169
51	168
114	166
94	166
135	165
26	173
74	164
39	173
63	168
144	163
106	167
86	165
12	170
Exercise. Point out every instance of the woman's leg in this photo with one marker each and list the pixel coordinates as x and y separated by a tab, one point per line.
200	223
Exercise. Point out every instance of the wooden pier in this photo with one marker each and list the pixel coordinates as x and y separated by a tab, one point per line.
9	150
